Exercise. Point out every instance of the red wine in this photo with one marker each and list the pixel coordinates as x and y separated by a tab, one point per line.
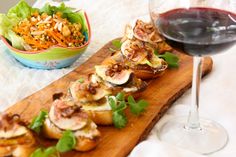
198	31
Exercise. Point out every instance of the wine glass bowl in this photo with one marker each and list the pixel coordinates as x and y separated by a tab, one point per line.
199	28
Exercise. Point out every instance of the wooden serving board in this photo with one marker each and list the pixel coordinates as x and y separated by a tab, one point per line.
160	94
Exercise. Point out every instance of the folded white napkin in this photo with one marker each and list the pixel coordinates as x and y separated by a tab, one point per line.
153	147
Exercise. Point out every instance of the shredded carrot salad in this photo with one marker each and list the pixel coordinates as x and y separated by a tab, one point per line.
43	31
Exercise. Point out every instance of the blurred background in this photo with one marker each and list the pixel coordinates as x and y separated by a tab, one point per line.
6	4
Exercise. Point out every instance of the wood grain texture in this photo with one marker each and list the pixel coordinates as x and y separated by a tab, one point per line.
161	93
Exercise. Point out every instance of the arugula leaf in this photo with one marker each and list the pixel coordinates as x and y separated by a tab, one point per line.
156	52
112	50
171	59
148	63
67	142
121	106
112	103
49	152
117	43
118	106
120	96
137	107
131	100
38	121
119	119
81	80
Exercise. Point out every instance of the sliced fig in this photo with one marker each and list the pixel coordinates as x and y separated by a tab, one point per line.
133	50
16	131
76	121
25	140
84	92
137	51
146	32
118	78
10	127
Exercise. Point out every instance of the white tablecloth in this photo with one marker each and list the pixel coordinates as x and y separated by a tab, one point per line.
108	18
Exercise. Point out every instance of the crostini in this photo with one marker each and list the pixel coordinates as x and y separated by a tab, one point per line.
65	115
15	139
141	58
92	96
146	32
119	78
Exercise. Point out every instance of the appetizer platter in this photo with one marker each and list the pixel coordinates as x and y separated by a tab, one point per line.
107	105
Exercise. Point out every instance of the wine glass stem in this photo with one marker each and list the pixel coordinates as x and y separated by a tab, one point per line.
193	118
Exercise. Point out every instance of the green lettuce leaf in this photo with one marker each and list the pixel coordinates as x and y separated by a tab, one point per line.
67	12
16	41
20	11
6	25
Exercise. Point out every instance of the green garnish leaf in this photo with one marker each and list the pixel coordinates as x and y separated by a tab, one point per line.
119	119
81	80
137	107
118	106
156	52
67	142
112	103
112	50
171	59
148	63
49	152
131	100
121	106
117	43
38	121
120	96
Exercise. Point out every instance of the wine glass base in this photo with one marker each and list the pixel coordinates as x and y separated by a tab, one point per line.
211	137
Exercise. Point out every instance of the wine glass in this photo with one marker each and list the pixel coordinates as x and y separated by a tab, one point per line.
199	28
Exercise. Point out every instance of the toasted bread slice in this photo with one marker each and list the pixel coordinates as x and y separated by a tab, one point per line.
84	143
15	138
141	58
65	115
119	78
